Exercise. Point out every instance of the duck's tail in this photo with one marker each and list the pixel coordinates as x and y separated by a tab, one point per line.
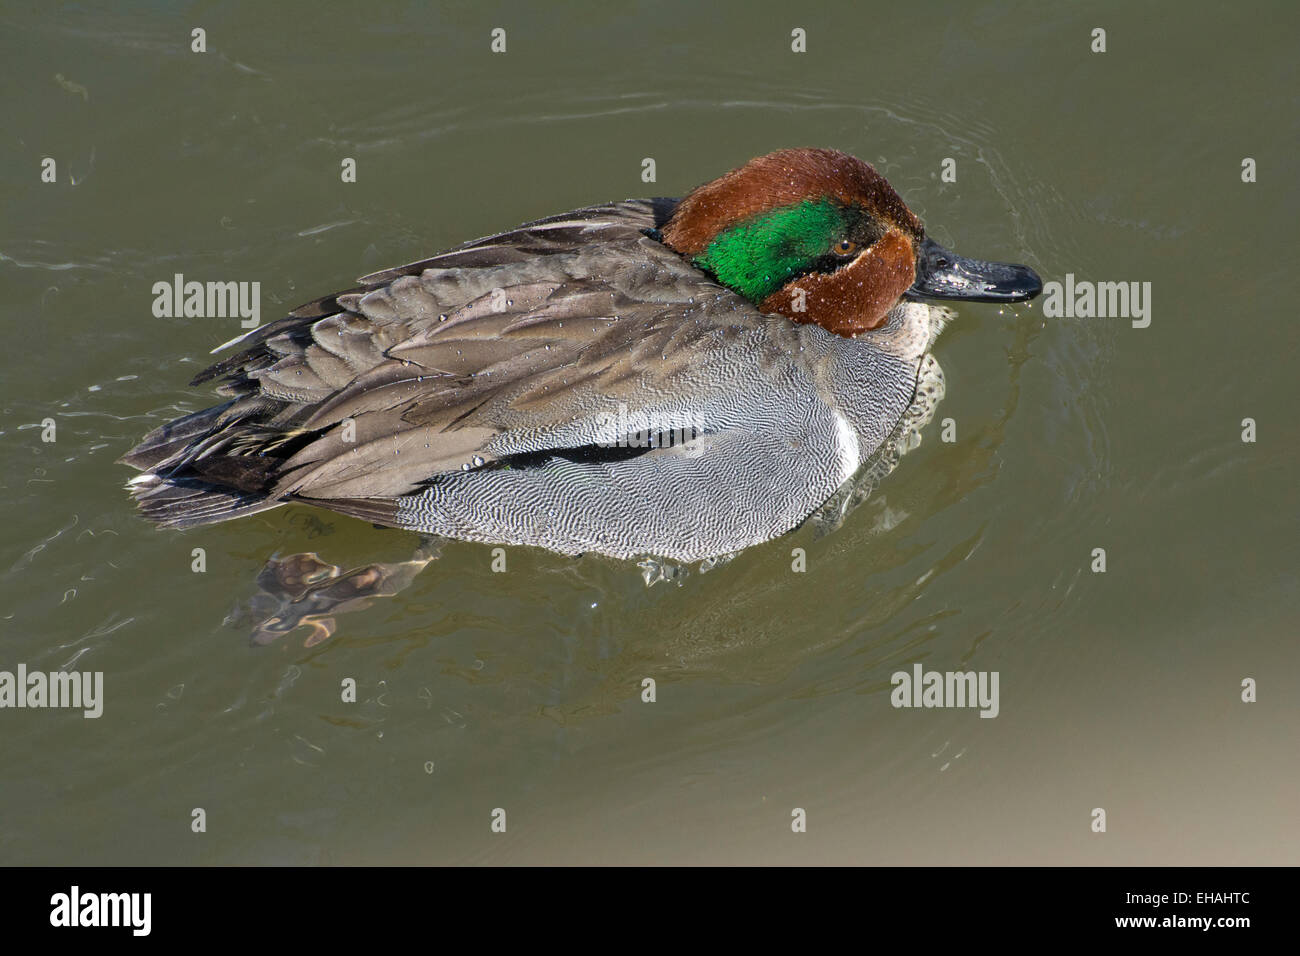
206	468
187	504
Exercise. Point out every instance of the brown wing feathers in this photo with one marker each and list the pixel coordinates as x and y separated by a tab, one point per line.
426	361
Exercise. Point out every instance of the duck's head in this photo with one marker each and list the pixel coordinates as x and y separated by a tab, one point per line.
819	236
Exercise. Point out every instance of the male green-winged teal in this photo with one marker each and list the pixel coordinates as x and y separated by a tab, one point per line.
649	377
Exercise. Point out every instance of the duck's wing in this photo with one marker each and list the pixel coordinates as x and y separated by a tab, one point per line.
561	334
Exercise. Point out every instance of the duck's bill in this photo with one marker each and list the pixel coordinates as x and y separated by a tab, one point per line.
942	274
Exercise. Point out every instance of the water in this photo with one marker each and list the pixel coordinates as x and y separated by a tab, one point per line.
522	691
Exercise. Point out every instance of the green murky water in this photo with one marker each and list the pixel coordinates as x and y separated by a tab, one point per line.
478	690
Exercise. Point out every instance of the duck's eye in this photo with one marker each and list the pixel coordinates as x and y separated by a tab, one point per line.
845	247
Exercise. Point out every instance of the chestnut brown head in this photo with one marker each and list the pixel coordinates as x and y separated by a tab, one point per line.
819	236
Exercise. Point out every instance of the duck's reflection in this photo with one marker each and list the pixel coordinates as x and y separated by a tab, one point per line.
303	591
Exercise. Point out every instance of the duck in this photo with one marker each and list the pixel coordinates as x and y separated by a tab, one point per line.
683	379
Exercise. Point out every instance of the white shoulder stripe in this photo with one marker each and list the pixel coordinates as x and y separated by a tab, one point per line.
847	441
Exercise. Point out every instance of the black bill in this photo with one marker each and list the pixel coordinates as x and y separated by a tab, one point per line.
941	274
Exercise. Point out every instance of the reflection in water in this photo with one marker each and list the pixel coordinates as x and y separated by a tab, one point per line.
301	590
